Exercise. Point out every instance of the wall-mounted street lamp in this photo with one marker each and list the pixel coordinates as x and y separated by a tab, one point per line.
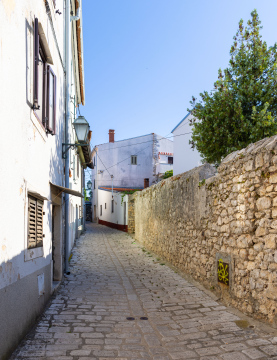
89	184
81	127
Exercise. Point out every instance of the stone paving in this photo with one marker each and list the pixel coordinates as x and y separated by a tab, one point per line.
113	278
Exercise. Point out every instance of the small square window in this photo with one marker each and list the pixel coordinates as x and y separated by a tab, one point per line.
170	160
133	159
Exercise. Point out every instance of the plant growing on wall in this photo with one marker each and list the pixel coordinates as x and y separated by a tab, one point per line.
168	174
86	196
243	105
128	192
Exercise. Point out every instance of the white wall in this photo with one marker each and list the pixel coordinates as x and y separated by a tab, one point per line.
30	158
117	217
165	150
115	159
185	158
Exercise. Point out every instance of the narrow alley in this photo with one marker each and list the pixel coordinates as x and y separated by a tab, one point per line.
122	302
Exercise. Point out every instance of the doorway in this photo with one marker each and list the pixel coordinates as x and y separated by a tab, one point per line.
56	243
76	223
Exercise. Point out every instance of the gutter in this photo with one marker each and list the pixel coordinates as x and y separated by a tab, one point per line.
80	48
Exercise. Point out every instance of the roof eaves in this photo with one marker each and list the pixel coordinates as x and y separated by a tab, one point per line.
181	122
79	28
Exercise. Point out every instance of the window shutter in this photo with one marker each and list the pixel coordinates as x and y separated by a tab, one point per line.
39	222
54	105
36	64
35	222
32	223
46	119
51	101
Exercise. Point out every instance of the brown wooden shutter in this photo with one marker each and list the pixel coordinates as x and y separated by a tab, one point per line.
39	223
54	110
36	64
51	81
35	222
32	209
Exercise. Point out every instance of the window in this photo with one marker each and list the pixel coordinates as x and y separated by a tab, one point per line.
170	160
44	85
35	222
105	205
100	210
51	101
112	206
133	159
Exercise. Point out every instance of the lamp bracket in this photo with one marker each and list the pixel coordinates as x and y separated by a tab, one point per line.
66	147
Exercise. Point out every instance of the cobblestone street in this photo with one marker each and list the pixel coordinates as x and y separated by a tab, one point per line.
112	279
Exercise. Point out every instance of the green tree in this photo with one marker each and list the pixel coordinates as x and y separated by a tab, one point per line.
168	174
242	107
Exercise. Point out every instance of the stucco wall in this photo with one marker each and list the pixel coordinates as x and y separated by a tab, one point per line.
231	216
30	158
185	158
116	217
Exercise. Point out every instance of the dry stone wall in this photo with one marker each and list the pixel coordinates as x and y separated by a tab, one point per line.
215	226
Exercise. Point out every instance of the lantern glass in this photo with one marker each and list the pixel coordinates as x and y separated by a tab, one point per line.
81	127
89	183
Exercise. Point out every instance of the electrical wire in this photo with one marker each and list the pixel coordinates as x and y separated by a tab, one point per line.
144	142
119	162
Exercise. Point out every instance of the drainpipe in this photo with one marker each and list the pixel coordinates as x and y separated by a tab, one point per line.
67	122
77	17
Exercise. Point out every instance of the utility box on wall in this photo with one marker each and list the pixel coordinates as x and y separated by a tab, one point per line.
41	285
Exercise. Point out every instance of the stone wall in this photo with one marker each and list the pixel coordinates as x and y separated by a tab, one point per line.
131	215
229	219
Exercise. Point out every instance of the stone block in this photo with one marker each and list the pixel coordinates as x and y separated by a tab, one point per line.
263	203
270	241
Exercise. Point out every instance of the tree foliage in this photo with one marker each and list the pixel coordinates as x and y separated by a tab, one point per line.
243	105
168	174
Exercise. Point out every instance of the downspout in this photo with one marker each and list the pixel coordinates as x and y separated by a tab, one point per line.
67	122
84	202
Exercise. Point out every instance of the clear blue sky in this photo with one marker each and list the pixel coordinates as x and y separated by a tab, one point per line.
144	59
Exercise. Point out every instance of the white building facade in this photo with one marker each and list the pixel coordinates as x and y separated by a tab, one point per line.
185	158
32	224
129	164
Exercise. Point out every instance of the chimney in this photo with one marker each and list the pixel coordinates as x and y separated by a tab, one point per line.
111	135
146	183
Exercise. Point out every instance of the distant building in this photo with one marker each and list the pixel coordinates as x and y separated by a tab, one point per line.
185	158
133	163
